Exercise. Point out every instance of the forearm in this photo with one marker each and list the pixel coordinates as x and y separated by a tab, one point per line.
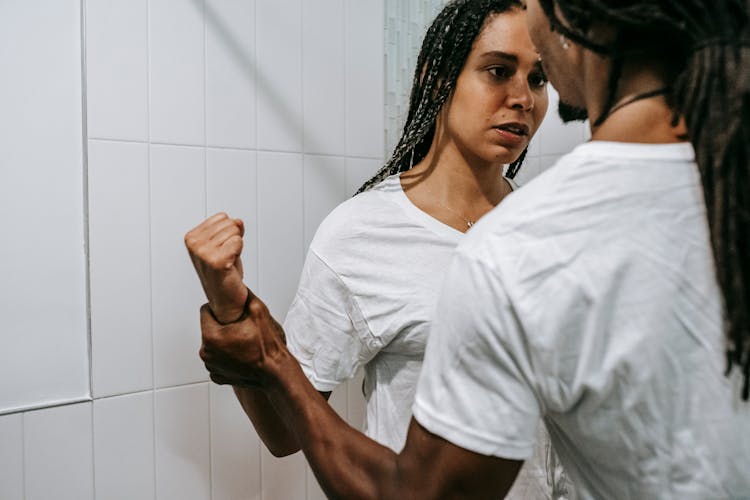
346	463
271	429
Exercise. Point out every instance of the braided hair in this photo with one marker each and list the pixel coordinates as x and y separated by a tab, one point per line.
706	45
444	51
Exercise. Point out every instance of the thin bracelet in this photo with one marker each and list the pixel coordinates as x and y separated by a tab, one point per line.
245	311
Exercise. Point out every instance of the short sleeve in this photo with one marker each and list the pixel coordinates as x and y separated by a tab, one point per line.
476	385
325	328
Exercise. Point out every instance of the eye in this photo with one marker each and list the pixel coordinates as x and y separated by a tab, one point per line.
538	79
500	72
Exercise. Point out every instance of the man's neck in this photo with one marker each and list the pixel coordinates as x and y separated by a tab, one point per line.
640	112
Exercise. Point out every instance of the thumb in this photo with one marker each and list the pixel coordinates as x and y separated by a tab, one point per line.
271	333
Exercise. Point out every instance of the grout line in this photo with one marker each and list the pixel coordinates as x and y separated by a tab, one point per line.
45	405
205	112
23	455
150	247
347	89
93	450
205	214
257	63
86	199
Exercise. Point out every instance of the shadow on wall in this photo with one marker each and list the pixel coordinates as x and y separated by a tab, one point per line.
249	67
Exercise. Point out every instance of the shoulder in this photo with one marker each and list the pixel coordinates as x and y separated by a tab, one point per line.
359	216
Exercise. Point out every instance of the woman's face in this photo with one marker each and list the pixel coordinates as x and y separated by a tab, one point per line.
500	96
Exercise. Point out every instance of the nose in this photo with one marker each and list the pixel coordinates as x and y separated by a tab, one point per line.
520	96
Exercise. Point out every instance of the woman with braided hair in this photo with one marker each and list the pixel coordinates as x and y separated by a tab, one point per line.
374	268
610	296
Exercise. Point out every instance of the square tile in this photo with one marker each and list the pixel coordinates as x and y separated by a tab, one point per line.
232	187
181	426
178	203
176	35
58	453
124	447
279	74
11	456
230	73
42	198
276	474
119	246
365	78
280	229
117	69
359	171
235	448
324	190
323	90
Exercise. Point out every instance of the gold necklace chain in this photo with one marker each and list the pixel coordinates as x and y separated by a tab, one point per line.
468	222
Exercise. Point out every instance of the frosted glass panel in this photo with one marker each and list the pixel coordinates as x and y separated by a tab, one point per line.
405	27
44	355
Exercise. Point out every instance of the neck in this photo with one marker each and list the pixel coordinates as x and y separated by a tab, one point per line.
636	116
454	178
453	188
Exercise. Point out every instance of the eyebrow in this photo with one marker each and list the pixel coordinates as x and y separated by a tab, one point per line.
504	55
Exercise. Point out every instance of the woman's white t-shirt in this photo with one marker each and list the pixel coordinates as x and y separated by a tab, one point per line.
366	298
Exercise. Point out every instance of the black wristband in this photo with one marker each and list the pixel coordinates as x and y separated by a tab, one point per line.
245	311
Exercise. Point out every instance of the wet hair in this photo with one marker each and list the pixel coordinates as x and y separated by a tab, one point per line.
444	51
706	46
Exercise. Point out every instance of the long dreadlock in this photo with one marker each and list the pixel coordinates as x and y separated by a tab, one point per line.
444	51
707	45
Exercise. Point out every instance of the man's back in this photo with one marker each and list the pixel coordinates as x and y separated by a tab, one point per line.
612	329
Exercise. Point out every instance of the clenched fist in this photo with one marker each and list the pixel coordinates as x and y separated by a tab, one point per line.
215	246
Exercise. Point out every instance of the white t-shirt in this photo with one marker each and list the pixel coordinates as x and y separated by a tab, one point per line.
589	298
366	298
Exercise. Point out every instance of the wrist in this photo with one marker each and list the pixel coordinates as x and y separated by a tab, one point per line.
226	314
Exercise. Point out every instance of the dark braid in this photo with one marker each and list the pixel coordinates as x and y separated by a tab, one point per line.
707	45
444	51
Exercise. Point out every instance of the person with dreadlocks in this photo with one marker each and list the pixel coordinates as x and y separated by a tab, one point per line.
374	268
609	296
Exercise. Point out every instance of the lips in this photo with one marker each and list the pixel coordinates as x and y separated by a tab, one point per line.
514	128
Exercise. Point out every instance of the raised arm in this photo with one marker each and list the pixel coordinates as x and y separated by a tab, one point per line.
215	246
346	463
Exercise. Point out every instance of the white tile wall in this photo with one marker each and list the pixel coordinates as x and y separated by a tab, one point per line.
232	187
365	96
182	447
556	138
41	204
178	202
235	449
280	228
279	68
117	69
58	456
359	171
11	456
124	447
276	473
323	72
119	253
324	189
230	73
177	71
271	110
